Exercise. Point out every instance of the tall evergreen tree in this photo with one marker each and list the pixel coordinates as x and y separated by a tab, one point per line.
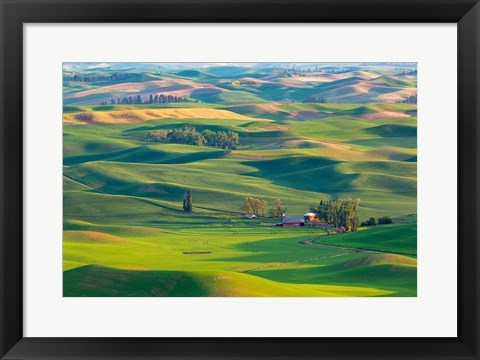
187	202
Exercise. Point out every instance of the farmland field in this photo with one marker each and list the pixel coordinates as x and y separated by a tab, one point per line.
136	142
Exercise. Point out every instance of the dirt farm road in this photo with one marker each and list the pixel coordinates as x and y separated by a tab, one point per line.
309	242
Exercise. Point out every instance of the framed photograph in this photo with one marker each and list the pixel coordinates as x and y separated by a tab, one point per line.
239	179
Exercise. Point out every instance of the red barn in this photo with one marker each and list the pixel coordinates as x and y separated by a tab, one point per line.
310	217
292	221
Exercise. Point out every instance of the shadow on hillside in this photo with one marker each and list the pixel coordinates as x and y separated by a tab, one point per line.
145	155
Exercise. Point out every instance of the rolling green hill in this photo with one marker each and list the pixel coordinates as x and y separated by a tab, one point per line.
125	231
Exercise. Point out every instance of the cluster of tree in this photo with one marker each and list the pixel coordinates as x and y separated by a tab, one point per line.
187	202
398	65
157	136
126	100
408	72
307	74
250	82
380	221
311	69
410	100
254	206
335	70
384	220
277	209
190	136
306	70
103	78
296	73
340	212
258	207
157	99
314	99
297	70
288	70
163	99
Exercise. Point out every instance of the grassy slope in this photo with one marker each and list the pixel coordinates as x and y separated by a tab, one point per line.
122	204
234	248
95	281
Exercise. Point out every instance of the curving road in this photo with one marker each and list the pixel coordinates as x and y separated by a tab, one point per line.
309	242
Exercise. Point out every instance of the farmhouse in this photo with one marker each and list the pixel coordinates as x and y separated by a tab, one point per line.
291	221
298	220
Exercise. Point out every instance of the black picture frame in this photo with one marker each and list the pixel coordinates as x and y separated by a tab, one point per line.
14	13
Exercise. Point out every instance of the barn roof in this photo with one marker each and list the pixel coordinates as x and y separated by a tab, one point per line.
293	219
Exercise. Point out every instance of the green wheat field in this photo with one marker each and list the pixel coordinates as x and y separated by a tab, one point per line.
174	175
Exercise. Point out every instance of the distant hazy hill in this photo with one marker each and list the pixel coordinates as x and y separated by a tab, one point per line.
96	83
